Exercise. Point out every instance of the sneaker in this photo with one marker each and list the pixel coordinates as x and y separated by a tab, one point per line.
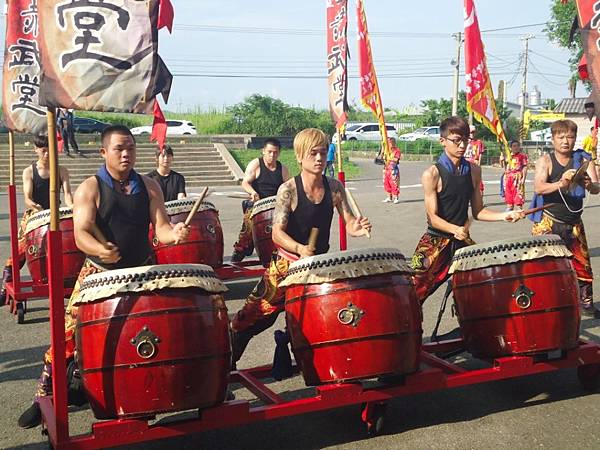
396	201
387	200
237	257
32	417
590	312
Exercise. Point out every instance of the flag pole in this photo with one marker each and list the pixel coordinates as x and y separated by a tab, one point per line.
342	178
12	210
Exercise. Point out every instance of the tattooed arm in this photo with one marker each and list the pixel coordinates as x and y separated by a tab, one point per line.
355	226
287	200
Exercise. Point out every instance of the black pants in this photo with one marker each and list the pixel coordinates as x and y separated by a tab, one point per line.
68	137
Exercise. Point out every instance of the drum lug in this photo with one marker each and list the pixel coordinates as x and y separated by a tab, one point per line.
269	229
32	249
522	296
145	343
155	241
350	315
210	228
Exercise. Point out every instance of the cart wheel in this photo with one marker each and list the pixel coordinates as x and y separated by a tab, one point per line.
373	415
589	376
20	313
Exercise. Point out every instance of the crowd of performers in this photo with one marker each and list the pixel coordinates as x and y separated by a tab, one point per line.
122	204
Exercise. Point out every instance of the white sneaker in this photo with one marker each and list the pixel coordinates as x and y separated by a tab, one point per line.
396	201
387	200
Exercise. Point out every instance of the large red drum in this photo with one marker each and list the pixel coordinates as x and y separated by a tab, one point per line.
153	339
516	296
262	221
35	237
205	242
353	315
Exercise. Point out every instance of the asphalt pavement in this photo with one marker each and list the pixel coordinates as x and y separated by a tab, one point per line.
542	411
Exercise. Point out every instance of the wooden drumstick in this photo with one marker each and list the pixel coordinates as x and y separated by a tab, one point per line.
355	209
241	196
538	208
312	239
190	216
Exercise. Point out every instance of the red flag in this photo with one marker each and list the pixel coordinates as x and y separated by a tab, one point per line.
159	127
582	68
480	97
101	55
589	26
337	59
22	70
166	15
369	88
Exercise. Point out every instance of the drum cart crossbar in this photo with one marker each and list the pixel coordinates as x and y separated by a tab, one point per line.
435	374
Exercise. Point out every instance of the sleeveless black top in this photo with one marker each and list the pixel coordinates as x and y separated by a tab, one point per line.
124	220
560	211
308	215
453	200
267	183
41	188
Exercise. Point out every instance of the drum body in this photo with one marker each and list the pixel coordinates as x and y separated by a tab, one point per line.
205	241
36	244
148	352
361	324
523	305
262	221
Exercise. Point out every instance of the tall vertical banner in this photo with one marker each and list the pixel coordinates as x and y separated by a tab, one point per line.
369	88
480	96
337	59
22	69
101	55
589	26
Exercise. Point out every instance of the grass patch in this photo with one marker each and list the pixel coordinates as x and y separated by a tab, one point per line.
287	157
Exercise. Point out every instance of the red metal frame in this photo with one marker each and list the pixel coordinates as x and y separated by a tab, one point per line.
245	269
343	237
20	290
436	374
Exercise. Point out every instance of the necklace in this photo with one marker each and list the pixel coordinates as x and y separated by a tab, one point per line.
123	185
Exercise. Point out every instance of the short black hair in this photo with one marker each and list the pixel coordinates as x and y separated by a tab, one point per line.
114	129
514	141
40	141
454	124
166	148
274	142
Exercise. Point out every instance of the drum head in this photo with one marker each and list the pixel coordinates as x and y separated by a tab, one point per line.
41	218
264	204
348	264
185	206
508	251
103	285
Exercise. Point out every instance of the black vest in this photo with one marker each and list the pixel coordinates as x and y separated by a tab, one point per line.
559	210
41	188
453	200
268	181
308	215
124	220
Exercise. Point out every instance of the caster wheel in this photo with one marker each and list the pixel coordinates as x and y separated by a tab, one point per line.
20	313
373	415
589	376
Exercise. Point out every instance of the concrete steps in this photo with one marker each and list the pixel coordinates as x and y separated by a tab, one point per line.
201	164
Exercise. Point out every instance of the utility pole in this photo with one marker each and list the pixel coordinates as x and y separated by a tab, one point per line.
524	85
456	64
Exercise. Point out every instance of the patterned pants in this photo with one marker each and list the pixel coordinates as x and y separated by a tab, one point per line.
431	262
262	307
21	240
514	190
44	386
573	235
244	245
391	184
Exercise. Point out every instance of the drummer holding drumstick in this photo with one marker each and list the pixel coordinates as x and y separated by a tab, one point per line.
36	194
111	217
450	186
303	203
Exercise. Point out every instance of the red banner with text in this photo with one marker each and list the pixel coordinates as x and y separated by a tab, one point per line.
337	59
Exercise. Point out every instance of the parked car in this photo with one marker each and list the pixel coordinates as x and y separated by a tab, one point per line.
87	125
368	132
174	128
431	133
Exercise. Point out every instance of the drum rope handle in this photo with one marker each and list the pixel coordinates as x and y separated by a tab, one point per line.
585	203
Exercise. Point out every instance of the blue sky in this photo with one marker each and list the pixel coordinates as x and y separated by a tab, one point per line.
215	39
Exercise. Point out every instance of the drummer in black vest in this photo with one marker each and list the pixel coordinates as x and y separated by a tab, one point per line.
36	194
171	183
553	173
450	186
304	202
262	178
117	205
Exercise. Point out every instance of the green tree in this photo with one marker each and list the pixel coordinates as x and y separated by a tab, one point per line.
558	30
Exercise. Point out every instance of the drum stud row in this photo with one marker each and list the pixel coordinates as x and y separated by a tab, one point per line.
148	276
345	260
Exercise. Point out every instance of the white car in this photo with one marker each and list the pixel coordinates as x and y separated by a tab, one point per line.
174	128
431	133
368	132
